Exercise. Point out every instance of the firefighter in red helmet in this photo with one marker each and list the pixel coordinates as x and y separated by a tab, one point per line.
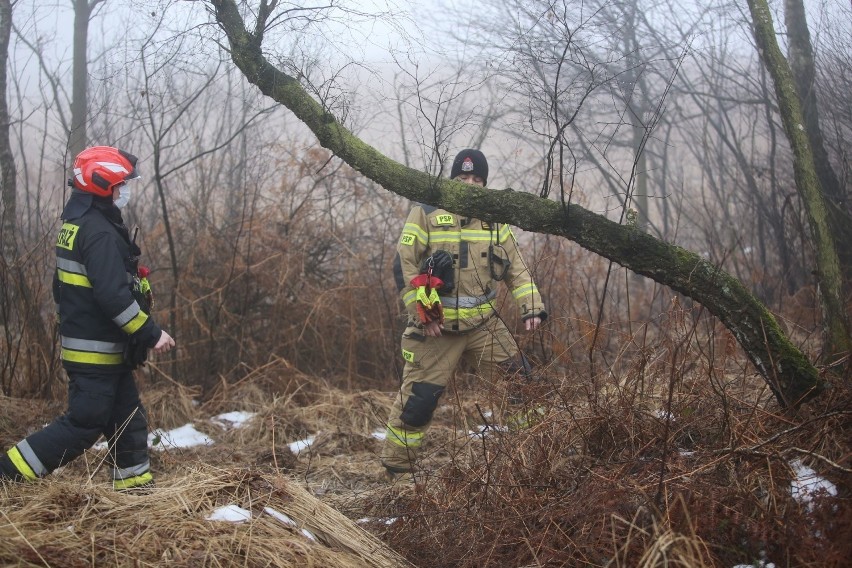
105	329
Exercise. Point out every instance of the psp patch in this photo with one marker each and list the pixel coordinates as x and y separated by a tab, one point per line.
407	239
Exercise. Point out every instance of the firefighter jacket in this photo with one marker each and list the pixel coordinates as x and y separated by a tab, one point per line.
96	266
483	255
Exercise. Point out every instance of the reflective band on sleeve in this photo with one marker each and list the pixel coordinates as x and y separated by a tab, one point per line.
505	233
128	314
133	471
404	438
91	358
134	324
408	355
417	231
71	266
410	297
21	464
120	484
525	290
73	279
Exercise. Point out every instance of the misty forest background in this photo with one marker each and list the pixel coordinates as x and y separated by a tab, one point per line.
268	253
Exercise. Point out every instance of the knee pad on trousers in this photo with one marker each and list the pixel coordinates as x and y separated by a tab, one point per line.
421	404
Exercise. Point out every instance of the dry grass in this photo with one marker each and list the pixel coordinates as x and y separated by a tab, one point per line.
701	478
64	523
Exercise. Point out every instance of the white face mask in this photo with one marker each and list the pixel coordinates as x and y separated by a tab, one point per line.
123	196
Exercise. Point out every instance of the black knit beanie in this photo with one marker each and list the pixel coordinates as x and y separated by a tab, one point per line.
470	161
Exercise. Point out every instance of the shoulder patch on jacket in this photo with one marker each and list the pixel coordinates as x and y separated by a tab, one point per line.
66	236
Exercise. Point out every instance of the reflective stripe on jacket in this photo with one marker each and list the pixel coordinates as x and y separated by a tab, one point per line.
483	254
92	289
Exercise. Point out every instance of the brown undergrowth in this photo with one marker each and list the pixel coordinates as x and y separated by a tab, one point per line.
604	478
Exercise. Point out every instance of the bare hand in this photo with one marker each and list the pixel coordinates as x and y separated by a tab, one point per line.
164	344
433	329
532	323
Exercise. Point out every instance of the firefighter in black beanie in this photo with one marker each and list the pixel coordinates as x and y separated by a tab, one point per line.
447	269
105	328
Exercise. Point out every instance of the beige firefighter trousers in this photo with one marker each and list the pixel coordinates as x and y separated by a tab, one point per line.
429	365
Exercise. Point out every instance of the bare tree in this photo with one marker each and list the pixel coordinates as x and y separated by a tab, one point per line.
786	370
8	170
77	140
838	337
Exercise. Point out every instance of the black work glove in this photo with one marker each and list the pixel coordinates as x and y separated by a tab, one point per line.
135	353
441	263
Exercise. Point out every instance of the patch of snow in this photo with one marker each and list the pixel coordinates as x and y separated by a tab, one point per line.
300	445
288	521
484	430
184	437
236	419
807	483
230	513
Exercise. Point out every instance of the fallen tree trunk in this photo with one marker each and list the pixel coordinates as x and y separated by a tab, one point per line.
792	378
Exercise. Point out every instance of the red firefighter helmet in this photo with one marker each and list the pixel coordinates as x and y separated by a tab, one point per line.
100	168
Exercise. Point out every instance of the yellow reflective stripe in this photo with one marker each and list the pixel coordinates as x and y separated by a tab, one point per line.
19	462
135	323
92	358
468	313
525	290
505	233
417	231
134	481
475	235
410	297
445	237
404	438
73	279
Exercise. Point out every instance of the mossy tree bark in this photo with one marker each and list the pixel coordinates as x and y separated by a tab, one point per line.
790	375
837	331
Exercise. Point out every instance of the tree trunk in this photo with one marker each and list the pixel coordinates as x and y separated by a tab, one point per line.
801	58
837	336
8	170
787	371
77	138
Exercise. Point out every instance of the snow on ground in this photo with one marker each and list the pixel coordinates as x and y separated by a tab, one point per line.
236	419
807	484
184	437
236	514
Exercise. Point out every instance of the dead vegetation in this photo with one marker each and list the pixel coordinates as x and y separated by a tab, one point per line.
660	445
698	478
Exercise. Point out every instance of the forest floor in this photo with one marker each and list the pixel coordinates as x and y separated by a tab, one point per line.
699	478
